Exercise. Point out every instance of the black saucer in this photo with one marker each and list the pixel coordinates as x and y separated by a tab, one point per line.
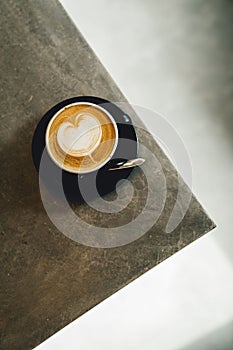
103	180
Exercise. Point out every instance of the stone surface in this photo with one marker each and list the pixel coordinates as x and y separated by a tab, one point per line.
46	279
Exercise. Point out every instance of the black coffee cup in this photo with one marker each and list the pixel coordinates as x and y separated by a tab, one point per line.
77	186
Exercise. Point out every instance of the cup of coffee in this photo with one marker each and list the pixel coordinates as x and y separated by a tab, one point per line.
78	141
81	137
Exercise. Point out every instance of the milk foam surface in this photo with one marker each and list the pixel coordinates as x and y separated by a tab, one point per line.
81	137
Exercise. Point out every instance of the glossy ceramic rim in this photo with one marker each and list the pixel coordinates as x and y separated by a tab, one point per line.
101	164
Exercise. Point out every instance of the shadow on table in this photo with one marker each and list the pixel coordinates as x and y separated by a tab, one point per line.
19	180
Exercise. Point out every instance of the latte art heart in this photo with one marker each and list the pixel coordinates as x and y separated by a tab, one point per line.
80	138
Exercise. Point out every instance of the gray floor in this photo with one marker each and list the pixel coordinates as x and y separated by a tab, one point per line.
176	58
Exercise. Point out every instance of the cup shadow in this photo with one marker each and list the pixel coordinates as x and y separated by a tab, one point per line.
19	180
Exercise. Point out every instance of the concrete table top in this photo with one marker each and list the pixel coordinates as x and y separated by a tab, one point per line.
46	279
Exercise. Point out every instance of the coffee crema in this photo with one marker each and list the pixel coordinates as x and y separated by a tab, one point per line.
81	138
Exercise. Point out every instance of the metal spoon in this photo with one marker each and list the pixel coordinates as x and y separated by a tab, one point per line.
127	164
